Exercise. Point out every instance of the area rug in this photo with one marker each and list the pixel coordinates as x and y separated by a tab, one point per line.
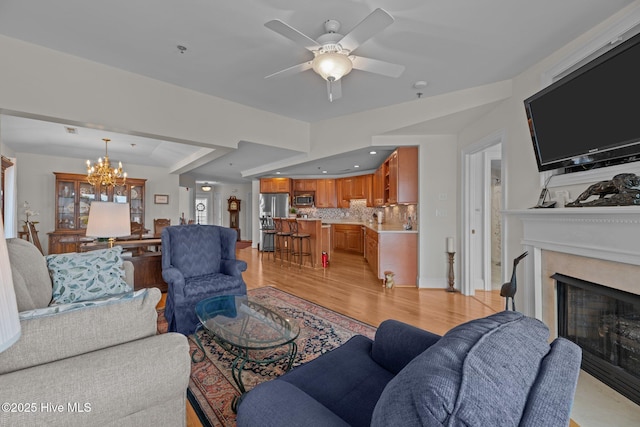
211	387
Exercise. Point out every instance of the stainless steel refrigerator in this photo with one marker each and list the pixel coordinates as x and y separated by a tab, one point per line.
272	205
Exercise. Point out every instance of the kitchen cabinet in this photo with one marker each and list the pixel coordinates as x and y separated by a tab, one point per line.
275	185
378	186
347	237
392	179
354	187
371	249
325	193
396	180
73	196
397	252
403	176
304	185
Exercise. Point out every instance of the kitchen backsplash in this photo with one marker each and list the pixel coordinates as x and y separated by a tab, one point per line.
358	211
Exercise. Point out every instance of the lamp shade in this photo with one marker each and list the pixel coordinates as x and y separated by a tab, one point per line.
332	66
109	219
9	320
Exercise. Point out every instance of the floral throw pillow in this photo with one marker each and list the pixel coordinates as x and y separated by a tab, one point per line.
87	276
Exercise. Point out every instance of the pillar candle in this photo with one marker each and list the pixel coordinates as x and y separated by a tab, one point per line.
450	245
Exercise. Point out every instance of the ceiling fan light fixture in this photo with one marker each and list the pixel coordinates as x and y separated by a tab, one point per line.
332	66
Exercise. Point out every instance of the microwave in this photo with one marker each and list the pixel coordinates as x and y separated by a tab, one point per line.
303	200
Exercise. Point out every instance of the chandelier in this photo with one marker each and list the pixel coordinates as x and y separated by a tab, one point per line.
102	172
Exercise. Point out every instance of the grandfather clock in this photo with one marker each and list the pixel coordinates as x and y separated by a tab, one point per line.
234	214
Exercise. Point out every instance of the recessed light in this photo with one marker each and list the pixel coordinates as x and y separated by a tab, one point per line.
324	171
356	166
277	173
373	152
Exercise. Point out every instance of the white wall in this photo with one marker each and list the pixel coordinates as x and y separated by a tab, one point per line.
241	191
36	184
522	183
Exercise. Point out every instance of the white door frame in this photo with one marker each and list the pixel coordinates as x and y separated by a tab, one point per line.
488	155
468	175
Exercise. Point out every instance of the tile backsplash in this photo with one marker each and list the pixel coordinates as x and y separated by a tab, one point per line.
358	211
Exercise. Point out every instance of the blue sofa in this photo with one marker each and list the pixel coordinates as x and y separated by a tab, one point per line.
495	371
198	261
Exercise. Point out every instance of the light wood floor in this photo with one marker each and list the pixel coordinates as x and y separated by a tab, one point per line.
349	287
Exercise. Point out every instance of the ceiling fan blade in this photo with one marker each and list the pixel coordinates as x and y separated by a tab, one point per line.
291	70
376	66
377	21
334	89
292	34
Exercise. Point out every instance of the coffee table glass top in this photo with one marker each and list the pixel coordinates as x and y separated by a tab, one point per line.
244	323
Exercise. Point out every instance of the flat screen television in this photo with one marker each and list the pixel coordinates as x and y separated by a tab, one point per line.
591	117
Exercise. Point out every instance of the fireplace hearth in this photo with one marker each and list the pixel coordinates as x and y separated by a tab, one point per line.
605	323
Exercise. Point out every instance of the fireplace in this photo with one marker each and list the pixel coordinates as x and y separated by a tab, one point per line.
605	323
597	245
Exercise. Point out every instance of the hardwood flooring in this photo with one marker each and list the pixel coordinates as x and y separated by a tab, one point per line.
349	287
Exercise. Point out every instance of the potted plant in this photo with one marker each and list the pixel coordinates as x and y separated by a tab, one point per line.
293	212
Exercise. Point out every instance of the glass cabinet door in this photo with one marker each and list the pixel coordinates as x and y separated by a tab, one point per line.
137	203
66	200
87	195
120	194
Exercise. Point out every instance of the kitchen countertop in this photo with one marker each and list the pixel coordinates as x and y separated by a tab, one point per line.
378	228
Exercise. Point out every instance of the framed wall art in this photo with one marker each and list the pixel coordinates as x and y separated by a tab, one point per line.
161	199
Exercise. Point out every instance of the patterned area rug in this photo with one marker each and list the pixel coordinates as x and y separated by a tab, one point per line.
211	388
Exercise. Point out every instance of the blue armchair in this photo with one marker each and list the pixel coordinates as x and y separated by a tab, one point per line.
198	261
495	371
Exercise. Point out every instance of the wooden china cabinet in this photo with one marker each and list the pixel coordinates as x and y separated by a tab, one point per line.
73	196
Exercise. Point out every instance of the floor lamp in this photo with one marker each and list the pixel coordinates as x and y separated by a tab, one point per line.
9	320
109	220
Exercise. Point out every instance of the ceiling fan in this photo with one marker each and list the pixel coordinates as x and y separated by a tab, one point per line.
332	51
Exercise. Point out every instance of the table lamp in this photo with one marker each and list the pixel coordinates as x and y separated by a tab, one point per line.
109	220
9	320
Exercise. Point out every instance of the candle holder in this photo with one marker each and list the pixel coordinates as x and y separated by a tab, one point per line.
451	287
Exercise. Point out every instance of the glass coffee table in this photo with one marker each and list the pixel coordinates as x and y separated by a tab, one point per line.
247	330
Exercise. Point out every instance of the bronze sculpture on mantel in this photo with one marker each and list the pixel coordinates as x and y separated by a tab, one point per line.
622	190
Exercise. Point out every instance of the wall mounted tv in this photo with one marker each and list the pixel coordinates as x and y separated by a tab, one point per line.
591	117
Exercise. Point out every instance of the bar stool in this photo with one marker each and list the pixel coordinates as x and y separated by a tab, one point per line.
268	237
282	240
300	238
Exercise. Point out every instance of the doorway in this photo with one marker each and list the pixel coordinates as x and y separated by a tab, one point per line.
483	200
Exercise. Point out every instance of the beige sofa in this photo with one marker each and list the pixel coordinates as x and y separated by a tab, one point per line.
95	365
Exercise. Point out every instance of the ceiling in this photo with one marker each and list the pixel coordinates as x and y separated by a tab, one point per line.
451	45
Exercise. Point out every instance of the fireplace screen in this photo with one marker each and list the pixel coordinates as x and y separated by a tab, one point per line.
605	323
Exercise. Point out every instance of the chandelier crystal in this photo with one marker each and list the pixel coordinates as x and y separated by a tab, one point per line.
102	173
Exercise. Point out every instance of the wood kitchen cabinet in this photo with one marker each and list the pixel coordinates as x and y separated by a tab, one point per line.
396	181
371	249
395	252
378	186
348	237
275	185
325	193
303	185
403	176
73	196
354	187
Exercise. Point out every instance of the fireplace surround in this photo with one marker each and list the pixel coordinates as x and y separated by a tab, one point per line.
596	244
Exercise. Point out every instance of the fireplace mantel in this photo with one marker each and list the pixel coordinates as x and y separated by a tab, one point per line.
605	233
